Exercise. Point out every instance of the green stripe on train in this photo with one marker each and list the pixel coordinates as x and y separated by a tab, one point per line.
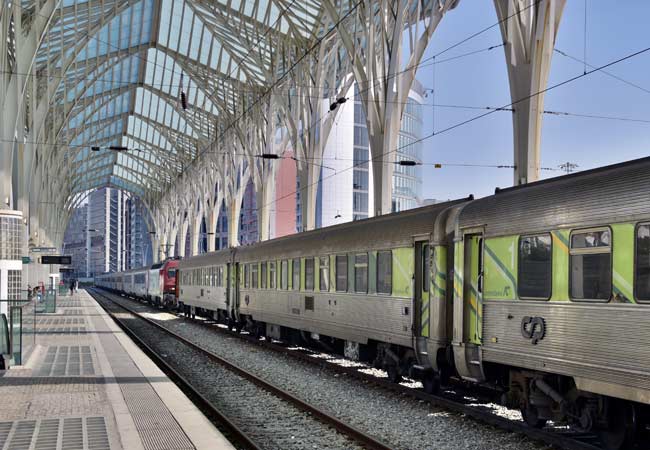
500	282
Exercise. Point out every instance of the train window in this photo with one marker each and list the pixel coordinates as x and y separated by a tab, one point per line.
341	273
264	278
309	274
171	273
385	272
361	273
590	258
284	274
247	275
295	267
272	275
535	267
324	273
642	259
254	277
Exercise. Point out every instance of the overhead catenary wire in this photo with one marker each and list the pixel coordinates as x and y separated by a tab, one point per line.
199	153
604	72
477	117
503	109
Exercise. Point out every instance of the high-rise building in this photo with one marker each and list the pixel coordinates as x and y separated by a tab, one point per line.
248	231
111	229
138	243
348	195
74	241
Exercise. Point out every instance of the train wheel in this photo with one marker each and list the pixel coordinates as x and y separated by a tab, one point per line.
531	417
394	374
622	429
430	383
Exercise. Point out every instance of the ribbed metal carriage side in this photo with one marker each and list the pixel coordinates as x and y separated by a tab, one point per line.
377	233
604	346
208	297
347	315
613	194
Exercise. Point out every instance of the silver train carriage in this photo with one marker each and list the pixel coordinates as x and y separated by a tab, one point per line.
542	291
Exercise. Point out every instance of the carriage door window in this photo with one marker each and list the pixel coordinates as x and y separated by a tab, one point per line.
272	275
284	274
341	273
264	278
642	259
591	265
324	272
535	267
361	273
254	277
309	274
295	267
385	272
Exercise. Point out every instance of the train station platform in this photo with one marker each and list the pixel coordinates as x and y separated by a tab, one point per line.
87	386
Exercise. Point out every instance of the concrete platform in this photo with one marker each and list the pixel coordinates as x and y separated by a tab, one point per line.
87	386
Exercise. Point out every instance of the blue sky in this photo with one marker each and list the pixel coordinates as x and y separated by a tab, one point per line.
613	31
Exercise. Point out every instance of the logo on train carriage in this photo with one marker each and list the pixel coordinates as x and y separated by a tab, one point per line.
533	328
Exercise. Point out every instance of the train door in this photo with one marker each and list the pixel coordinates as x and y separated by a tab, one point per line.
236	290
468	305
473	288
421	298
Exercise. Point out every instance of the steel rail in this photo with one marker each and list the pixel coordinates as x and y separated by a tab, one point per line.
446	402
354	433
199	399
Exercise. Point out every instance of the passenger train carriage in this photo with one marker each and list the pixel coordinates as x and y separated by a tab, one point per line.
156	283
542	291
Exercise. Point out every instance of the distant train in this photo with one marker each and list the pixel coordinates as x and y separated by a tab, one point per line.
156	284
542	291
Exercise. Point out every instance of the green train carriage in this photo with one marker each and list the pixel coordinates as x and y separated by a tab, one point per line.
553	281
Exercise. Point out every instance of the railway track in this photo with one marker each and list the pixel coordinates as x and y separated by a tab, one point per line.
256	413
456	401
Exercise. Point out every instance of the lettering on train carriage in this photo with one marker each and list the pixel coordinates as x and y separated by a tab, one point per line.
533	328
503	293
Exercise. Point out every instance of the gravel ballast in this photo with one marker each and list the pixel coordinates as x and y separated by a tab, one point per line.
269	421
398	420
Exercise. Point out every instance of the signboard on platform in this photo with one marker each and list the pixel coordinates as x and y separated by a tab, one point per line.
56	259
26	259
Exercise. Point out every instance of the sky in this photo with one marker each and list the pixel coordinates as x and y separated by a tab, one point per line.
614	30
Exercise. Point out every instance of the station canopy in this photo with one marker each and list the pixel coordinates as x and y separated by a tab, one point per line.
113	73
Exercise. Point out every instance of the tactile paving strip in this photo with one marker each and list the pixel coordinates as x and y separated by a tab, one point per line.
156	426
69	303
61	321
66	360
70	433
65	325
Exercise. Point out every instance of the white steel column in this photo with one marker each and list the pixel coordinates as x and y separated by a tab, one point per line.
529	33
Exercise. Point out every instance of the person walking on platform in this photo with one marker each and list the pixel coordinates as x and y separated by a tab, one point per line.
71	287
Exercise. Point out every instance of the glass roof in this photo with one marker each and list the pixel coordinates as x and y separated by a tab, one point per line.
112	73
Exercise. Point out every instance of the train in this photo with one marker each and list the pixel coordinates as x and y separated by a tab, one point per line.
155	283
540	292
